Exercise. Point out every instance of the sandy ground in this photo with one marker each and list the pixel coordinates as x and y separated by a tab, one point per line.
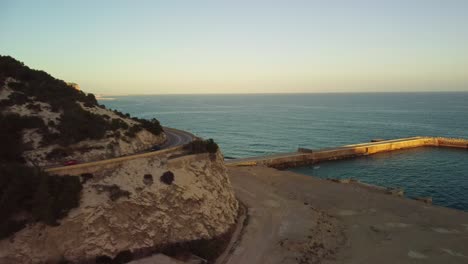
295	218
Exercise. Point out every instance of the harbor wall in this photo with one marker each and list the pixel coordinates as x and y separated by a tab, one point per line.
308	156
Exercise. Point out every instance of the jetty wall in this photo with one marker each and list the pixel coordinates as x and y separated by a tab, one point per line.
451	142
309	156
280	161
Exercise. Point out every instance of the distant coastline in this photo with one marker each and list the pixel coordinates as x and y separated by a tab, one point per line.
102	98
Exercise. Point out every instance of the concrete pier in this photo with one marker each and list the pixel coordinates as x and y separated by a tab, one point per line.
307	156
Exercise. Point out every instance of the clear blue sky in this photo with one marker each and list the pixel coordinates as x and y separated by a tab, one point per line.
152	47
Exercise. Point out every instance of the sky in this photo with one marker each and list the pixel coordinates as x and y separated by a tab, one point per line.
263	46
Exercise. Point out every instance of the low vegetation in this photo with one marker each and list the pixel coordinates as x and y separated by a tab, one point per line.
167	177
152	125
40	85
10	135
113	191
202	146
76	124
30	195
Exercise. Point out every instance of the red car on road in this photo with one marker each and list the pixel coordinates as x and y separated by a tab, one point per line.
70	162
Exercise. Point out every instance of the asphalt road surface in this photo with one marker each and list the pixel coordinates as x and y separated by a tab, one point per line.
176	138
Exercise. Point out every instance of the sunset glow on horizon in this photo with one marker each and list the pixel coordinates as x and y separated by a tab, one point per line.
174	47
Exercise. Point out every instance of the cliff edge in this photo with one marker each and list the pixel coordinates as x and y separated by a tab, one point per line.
143	205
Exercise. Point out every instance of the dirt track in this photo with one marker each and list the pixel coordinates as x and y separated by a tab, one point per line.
300	219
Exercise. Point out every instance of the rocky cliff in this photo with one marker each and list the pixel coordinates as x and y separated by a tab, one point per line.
144	203
139	203
52	121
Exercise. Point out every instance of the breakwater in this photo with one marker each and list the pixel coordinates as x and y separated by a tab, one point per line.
308	156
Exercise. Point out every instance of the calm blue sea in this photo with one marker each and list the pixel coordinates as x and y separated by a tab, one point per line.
251	125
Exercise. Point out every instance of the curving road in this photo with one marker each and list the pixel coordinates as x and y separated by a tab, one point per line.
176	138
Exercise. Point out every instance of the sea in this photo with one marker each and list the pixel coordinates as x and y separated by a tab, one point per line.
246	125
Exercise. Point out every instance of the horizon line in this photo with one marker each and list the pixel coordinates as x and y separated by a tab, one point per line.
104	96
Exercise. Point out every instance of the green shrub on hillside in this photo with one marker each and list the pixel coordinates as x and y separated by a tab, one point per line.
152	125
40	84
211	146
167	177
202	146
131	132
10	134
76	124
114	191
118	124
34	193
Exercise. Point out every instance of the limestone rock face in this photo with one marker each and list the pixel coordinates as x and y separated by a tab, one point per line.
130	208
93	150
115	143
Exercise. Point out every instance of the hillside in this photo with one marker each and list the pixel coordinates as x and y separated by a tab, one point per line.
178	198
46	121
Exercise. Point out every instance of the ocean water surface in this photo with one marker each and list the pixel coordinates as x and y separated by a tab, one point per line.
422	172
259	124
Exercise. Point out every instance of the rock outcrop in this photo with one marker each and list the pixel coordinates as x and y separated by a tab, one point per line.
115	143
131	208
97	209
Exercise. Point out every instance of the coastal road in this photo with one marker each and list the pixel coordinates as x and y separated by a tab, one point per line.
176	138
